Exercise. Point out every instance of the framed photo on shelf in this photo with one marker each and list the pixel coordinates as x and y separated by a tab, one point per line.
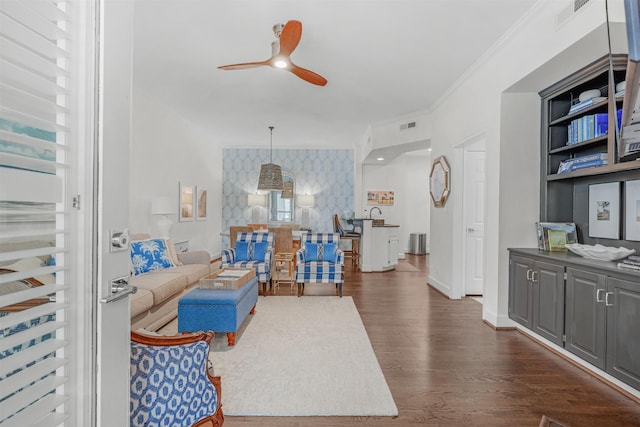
604	210
632	210
201	204
553	236
187	202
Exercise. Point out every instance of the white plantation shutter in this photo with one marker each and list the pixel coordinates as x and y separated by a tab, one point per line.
35	143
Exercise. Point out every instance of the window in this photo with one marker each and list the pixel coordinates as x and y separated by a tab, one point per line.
282	209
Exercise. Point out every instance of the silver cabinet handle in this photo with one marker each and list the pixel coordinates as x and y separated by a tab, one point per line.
599	295
529	274
120	288
533	276
606	299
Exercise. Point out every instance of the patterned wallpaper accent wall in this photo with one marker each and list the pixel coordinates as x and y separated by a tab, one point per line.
327	174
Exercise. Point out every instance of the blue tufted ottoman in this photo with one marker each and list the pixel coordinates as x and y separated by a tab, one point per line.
221	310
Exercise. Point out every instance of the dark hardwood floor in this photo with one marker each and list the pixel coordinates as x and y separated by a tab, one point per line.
446	367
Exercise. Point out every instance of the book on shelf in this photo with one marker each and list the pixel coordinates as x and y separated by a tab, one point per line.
629	262
582	162
589	164
629	266
631	138
585	104
587	127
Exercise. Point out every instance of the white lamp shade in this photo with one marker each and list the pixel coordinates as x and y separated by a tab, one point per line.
163	206
255	199
306	200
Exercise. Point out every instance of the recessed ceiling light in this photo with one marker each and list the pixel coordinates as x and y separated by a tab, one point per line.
380	158
429	149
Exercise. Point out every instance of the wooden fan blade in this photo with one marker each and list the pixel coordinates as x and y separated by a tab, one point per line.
307	75
244	66
290	37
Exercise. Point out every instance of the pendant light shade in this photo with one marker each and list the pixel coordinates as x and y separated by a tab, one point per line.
287	190
270	173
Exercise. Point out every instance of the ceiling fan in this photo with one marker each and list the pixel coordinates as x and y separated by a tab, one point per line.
287	39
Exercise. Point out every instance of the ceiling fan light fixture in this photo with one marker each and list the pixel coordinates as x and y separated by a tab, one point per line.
270	177
280	63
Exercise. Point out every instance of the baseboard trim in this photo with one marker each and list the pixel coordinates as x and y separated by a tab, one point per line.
602	376
439	286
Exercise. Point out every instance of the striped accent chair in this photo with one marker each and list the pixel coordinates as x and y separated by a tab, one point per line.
252	250
319	260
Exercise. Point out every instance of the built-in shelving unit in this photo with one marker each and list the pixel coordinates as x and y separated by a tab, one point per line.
564	196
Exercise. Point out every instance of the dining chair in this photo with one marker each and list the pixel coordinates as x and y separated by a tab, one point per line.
233	233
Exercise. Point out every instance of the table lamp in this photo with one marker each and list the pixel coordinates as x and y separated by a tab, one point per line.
255	200
306	201
163	207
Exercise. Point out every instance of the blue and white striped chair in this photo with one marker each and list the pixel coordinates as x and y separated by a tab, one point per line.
319	260
252	250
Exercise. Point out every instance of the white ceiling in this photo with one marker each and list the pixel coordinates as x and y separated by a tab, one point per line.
383	59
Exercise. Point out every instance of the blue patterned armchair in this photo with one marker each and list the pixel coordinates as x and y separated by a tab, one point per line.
170	382
252	250
319	260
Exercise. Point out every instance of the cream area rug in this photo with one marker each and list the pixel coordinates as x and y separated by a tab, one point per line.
302	357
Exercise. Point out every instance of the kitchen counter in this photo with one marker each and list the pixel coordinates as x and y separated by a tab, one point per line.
378	246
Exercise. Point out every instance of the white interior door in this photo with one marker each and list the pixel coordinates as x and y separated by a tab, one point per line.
474	209
112	179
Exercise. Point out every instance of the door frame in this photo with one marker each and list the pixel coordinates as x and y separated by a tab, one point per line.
475	142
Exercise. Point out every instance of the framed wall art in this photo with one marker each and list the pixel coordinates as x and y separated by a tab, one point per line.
201	204
632	210
604	210
187	202
380	198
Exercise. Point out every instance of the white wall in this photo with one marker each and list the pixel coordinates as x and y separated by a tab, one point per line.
166	150
474	106
408	177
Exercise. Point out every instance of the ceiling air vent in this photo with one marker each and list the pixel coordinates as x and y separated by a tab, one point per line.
577	4
408	125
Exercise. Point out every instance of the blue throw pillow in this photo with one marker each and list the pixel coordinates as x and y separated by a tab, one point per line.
320	252
251	251
259	251
242	251
311	251
329	252
148	255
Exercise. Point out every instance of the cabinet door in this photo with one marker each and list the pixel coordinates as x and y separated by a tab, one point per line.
394	244
623	330
520	294
548	301
585	316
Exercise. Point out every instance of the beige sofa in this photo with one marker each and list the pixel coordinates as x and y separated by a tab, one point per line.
156	302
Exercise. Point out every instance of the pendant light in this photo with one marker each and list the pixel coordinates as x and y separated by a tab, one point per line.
270	173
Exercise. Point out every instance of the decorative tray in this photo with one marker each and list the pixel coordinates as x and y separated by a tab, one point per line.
603	253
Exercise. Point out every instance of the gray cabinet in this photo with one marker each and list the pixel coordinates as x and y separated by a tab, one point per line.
536	296
548	301
595	305
622	302
585	316
520	290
